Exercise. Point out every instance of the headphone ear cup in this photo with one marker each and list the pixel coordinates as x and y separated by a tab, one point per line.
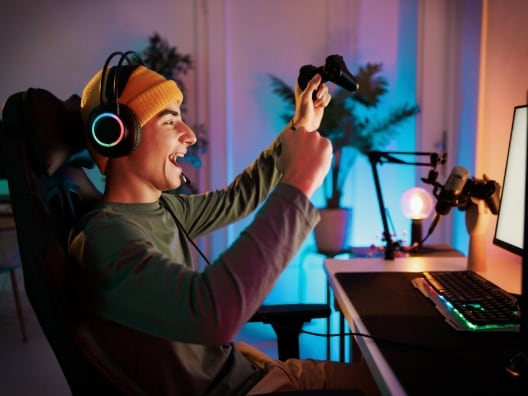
113	135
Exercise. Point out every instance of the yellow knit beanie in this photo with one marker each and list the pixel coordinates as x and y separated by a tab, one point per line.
146	93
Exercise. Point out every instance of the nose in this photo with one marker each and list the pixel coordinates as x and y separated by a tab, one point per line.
188	136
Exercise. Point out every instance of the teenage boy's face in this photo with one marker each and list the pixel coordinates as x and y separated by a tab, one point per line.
164	141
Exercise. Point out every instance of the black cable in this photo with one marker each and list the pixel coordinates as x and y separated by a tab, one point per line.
191	241
382	340
418	245
182	229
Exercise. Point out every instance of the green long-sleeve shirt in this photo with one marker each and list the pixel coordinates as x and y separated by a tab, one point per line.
165	323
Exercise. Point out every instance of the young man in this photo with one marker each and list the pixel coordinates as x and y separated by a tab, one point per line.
167	325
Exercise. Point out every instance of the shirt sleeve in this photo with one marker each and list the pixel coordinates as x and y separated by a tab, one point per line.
138	286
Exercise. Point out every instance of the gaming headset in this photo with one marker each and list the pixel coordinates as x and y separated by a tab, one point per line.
113	129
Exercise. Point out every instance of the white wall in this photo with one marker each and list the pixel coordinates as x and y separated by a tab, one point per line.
504	84
59	44
258	38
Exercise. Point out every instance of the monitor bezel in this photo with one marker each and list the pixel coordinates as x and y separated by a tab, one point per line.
519	251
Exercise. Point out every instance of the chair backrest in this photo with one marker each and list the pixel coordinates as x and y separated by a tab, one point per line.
42	156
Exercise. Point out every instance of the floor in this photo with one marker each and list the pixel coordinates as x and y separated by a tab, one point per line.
29	368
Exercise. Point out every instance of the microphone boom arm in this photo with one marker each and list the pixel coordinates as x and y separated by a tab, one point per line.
381	157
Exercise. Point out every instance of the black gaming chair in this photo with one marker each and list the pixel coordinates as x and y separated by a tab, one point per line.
43	154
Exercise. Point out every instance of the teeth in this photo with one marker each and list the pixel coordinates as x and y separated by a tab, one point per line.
173	157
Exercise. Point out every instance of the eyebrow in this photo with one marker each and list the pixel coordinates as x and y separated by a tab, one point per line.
169	112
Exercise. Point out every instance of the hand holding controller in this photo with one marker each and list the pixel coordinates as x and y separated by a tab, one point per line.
484	189
334	70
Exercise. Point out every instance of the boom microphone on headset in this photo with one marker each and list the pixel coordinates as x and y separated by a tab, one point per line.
449	194
185	179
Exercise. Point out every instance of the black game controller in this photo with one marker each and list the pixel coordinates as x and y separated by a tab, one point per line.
488	190
334	70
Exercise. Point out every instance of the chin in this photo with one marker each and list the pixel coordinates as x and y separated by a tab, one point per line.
174	186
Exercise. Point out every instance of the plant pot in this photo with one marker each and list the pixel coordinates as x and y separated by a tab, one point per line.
332	232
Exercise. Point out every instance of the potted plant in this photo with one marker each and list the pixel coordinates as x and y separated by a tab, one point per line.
354	125
167	61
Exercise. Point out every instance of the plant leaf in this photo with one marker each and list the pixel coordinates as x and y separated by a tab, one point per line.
371	85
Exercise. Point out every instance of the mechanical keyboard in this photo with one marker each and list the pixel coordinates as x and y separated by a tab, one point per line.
469	301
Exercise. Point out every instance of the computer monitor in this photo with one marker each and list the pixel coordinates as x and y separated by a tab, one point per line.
512	224
509	231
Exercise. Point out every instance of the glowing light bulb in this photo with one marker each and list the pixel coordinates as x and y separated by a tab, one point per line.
416	204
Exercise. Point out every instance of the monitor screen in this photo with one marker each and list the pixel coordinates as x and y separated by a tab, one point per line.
509	231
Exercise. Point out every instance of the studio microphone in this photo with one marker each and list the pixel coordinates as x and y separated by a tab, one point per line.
449	194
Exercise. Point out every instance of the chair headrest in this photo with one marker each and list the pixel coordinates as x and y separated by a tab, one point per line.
53	126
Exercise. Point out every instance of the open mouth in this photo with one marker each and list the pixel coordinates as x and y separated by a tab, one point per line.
174	158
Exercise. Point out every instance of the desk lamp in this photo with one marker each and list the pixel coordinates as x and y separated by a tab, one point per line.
416	204
381	157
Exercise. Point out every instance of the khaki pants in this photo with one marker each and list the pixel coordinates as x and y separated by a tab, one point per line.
305	374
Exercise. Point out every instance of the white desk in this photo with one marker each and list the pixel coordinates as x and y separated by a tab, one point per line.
506	275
